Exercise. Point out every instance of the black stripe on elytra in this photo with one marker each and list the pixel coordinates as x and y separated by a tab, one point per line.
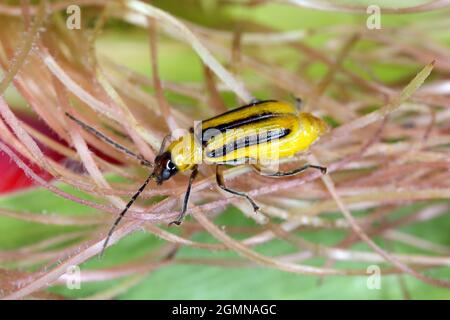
208	133
251	104
247	142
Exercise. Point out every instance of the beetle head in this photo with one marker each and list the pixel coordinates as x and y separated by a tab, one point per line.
164	167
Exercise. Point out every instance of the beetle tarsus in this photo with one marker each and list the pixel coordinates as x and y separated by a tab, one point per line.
323	170
254	205
177	222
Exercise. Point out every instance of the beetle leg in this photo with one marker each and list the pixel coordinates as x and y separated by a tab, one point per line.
221	184
186	197
292	172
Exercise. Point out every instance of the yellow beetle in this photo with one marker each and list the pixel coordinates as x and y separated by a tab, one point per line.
257	133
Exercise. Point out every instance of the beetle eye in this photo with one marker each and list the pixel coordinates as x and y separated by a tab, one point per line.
170	165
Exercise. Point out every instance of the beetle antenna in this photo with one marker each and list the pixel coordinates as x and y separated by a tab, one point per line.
297	101
124	211
104	138
164	143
